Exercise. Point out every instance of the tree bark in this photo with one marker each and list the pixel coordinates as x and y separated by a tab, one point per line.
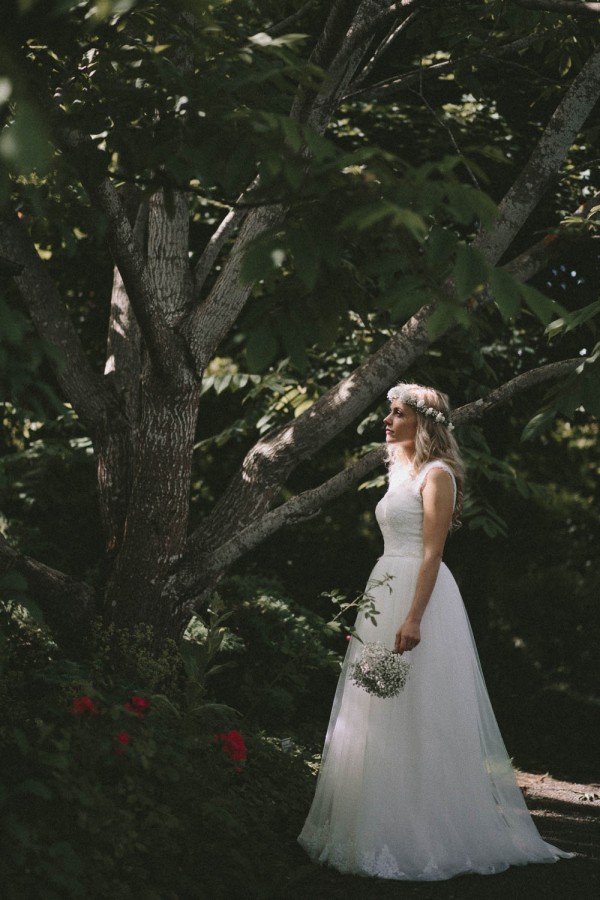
155	525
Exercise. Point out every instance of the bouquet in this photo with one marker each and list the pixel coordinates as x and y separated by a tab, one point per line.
380	671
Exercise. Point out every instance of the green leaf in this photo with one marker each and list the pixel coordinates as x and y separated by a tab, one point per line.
442	318
262	258
573	320
541	422
470	271
261	347
541	306
409	294
412	222
507	294
292	341
373	213
306	256
440	246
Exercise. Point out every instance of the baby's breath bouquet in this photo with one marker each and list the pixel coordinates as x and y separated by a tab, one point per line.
380	671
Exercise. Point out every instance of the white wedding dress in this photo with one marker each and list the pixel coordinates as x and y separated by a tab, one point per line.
419	787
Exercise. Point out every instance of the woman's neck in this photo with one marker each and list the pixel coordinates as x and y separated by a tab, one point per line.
406	454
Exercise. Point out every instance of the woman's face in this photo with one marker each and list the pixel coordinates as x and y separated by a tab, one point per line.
400	424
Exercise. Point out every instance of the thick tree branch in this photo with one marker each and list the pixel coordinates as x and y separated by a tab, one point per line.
270	462
273	458
310	502
527	190
368	21
69	606
82	387
165	349
527	264
508	391
213	319
226	227
338	51
573	7
166	352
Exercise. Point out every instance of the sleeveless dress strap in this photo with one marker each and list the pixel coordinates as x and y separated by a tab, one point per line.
426	469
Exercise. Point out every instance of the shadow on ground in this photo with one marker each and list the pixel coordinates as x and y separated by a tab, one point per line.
566	814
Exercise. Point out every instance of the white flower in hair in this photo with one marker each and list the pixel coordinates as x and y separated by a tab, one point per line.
397	393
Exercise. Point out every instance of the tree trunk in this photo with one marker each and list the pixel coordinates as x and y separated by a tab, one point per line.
155	529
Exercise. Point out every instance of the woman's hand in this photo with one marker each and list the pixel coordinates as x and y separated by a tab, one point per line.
407	636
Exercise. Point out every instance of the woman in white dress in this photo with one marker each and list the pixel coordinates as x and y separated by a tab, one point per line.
419	786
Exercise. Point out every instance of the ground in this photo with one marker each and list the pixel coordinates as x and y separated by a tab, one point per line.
566	814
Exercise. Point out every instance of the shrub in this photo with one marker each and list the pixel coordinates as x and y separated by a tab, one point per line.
279	660
108	788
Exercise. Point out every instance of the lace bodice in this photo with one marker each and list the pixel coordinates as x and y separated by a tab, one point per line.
399	513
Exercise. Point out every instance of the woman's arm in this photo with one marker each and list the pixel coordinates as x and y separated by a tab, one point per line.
438	504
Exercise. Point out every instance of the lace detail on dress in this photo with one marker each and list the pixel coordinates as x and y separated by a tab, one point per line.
418	787
399	513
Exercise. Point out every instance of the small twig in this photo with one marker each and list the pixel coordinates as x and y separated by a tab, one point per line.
450	134
391	36
282	27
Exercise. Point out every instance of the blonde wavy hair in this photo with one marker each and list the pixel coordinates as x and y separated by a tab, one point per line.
433	440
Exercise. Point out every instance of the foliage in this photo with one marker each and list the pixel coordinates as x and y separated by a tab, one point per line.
276	656
108	788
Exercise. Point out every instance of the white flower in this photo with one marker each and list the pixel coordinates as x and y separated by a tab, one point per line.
380	671
450	426
396	393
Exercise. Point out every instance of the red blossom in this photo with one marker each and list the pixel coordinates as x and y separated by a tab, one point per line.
233	746
138	705
122	740
81	706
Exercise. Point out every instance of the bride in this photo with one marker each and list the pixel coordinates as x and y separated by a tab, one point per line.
420	786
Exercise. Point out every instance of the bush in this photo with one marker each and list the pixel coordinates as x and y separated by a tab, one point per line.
108	788
280	661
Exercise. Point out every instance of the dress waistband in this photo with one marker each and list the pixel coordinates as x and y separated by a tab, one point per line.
402	555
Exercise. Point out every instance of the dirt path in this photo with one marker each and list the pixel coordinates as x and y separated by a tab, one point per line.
566	814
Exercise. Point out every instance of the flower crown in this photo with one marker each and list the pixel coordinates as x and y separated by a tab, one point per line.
421	407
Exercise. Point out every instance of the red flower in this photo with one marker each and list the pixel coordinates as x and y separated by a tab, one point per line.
138	705
82	705
233	746
122	740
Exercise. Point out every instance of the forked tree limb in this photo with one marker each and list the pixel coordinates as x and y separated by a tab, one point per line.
394	32
308	503
269	463
211	251
165	349
546	159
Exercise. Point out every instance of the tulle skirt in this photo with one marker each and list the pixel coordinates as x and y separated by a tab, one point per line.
419	787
